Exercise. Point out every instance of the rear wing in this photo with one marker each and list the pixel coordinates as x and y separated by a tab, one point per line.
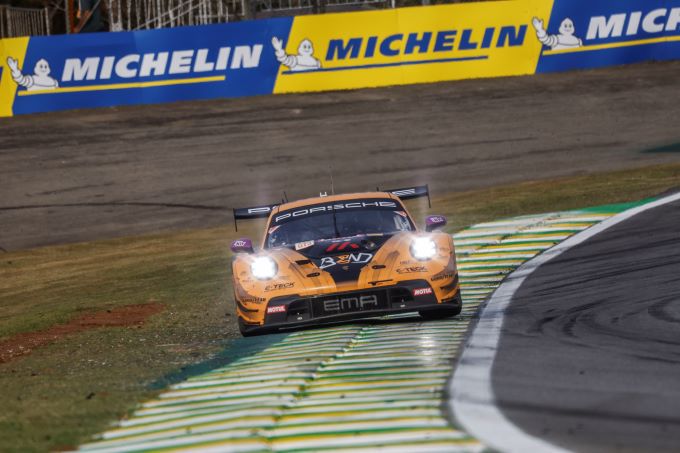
260	212
408	193
254	212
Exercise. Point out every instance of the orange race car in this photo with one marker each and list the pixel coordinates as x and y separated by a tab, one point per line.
340	257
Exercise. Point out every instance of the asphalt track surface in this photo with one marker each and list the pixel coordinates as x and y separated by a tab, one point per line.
589	354
83	175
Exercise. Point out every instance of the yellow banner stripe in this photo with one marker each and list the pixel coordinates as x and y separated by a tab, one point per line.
613	45
124	86
10	48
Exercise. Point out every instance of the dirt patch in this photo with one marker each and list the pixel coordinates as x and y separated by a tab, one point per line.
126	316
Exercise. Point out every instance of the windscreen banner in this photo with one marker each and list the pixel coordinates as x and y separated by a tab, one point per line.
332	52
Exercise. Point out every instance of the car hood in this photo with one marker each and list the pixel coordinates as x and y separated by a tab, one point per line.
343	258
335	265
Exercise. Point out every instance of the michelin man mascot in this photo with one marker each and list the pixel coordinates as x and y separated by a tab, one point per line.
565	40
40	80
303	61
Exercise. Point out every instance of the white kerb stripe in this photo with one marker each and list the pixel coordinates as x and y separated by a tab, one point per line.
471	398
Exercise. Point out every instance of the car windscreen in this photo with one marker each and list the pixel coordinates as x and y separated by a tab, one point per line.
338	219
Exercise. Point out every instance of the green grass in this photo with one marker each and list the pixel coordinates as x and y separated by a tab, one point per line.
61	394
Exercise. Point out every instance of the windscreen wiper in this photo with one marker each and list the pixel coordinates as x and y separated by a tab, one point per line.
335	222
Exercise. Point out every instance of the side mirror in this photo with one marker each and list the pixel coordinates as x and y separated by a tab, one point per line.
434	222
244	245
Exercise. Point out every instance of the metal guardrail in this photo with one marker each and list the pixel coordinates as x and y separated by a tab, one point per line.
131	15
16	22
316	6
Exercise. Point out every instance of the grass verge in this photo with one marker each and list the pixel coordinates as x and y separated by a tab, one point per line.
59	395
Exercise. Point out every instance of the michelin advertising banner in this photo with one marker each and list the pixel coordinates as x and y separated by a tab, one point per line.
333	51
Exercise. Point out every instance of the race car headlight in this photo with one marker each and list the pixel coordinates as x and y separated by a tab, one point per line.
423	248
263	268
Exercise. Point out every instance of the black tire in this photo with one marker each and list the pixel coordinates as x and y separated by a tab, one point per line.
440	313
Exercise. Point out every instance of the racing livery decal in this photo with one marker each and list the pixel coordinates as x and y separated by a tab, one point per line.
352	258
422	291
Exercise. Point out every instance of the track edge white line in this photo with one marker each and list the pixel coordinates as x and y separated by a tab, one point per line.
471	401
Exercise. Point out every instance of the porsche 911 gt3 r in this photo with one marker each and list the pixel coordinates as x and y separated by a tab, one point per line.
341	257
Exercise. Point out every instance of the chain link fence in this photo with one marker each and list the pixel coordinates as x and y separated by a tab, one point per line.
16	22
128	15
268	8
148	14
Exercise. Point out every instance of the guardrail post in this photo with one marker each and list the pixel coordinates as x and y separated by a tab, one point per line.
67	13
318	6
250	9
47	22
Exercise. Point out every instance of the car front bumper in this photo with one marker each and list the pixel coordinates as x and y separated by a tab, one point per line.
294	311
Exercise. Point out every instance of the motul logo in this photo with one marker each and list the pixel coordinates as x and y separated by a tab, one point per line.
422	291
276	309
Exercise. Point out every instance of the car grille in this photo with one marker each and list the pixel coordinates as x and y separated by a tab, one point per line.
367	300
358	301
349	303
